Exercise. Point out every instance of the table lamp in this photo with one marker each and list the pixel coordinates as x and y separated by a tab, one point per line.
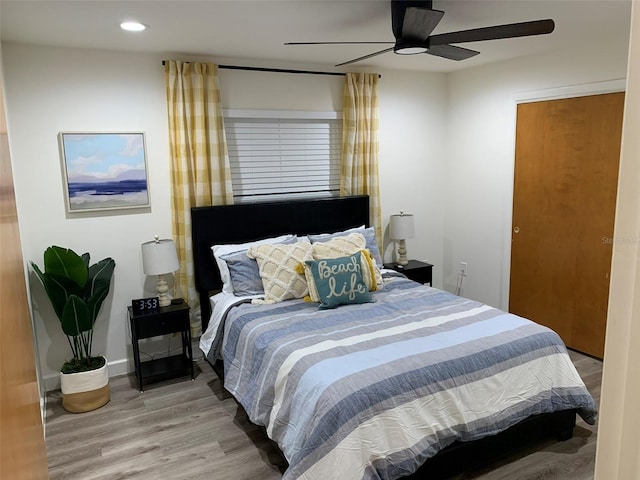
401	228
159	257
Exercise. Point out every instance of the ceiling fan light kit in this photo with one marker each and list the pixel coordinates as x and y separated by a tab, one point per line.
409	49
412	22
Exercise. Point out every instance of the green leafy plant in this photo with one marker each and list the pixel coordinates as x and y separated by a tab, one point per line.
76	291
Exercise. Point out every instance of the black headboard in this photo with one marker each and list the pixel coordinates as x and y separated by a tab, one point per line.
252	221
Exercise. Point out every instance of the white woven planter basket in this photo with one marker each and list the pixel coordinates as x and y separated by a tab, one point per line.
85	391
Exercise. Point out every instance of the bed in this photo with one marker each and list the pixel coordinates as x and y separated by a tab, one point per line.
412	379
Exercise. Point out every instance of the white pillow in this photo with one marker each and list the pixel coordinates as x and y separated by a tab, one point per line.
220	250
339	246
278	264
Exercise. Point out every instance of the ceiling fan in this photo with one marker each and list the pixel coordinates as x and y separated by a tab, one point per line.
412	22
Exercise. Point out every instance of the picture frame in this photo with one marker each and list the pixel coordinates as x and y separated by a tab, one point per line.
104	171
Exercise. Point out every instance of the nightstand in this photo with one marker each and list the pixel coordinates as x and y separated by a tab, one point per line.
415	270
163	321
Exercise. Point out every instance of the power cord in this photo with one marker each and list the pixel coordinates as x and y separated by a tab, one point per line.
459	283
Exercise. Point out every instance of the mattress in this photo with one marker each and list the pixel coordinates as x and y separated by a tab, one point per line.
373	390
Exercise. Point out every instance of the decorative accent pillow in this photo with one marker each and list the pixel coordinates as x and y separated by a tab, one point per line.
278	269
369	271
369	236
220	250
343	245
244	272
339	281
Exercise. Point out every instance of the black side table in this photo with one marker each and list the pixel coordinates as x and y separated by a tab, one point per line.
415	270
163	321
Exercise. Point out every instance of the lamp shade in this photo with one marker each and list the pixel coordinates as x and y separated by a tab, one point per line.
401	226
159	257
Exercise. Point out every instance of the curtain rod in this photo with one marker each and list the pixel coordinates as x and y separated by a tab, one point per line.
278	70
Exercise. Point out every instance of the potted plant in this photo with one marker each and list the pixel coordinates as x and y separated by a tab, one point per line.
76	291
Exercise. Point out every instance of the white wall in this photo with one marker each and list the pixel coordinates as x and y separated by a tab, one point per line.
53	90
480	157
412	159
49	90
618	445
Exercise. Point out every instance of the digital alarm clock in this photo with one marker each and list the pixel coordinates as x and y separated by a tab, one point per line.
143	305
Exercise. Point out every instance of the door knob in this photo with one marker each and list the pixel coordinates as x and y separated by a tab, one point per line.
516	229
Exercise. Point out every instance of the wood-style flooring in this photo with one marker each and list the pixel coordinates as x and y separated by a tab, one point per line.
188	430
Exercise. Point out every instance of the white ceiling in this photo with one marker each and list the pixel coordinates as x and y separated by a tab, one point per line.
254	32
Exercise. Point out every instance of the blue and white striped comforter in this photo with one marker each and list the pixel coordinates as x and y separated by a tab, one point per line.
371	391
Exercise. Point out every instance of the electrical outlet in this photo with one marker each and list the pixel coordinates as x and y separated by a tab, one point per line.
463	269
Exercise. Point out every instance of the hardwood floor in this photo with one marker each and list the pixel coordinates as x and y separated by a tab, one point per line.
183	429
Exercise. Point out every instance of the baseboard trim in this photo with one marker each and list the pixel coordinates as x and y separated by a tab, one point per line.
116	368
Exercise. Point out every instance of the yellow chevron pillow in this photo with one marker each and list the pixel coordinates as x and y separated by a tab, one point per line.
277	265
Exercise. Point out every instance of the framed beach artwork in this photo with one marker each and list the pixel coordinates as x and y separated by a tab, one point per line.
104	171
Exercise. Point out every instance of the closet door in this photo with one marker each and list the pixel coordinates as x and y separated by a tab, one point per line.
566	176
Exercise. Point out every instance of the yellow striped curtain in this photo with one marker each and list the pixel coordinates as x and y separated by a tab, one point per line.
200	174
359	175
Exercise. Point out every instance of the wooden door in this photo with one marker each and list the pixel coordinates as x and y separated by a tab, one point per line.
566	176
22	446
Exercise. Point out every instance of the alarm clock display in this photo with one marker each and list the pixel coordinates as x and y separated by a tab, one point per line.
144	305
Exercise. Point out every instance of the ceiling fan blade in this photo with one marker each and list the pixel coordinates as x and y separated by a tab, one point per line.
419	23
366	56
339	43
451	52
523	29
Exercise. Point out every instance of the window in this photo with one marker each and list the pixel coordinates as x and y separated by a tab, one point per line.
280	154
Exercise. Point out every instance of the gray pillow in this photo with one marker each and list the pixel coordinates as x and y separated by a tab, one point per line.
244	272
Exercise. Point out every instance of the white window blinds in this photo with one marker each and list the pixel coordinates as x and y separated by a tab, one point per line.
276	154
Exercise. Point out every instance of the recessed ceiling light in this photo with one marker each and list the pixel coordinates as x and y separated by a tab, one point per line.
133	26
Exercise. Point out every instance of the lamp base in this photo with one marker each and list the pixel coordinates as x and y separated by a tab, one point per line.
162	288
402	253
